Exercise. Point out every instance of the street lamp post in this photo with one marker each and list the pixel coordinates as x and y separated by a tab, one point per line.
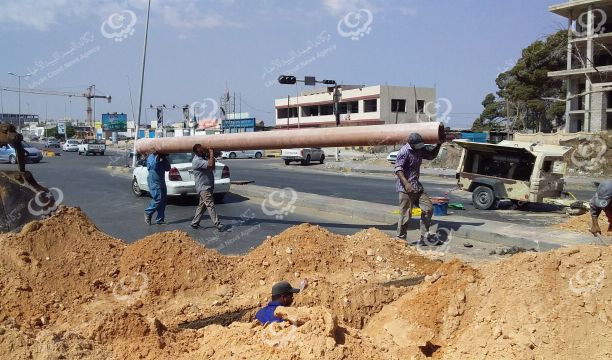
19	92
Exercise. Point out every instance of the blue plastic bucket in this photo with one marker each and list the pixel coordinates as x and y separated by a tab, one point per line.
440	206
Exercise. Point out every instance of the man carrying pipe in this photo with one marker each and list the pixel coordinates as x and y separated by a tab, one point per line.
410	190
203	166
157	165
601	201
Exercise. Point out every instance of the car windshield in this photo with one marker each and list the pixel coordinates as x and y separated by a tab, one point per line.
73	142
180	158
26	145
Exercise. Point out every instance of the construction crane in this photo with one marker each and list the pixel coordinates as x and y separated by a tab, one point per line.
88	94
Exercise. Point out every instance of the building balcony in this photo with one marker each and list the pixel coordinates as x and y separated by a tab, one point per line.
576	7
581	71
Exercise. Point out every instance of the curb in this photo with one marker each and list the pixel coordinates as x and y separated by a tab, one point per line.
495	232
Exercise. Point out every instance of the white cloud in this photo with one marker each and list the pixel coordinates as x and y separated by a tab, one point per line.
42	14
341	7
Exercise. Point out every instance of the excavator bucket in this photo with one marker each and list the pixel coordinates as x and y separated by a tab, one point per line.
22	200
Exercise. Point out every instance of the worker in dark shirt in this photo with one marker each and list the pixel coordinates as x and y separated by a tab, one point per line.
601	201
282	295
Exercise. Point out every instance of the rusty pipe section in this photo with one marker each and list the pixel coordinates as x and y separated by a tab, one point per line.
373	135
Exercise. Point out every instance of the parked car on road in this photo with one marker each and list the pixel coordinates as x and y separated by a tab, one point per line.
92	146
7	153
242	154
71	145
52	143
392	157
304	155
180	180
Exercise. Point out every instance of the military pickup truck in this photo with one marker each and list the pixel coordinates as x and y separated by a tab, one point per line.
92	146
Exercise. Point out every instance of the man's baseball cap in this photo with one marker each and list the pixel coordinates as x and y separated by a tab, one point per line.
416	141
603	195
283	288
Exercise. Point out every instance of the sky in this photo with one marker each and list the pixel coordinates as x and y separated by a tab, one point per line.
198	49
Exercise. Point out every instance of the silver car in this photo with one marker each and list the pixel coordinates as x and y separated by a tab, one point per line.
242	154
7	153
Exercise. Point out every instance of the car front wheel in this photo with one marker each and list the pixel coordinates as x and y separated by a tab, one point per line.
12	159
322	159
232	155
258	155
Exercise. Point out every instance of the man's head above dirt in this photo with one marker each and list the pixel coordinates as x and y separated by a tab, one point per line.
282	295
283	292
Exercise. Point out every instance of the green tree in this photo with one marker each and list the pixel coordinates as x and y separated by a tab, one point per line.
524	99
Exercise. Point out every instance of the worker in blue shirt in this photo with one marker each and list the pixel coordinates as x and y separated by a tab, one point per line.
282	295
157	165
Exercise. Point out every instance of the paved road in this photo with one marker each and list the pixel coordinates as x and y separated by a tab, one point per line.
380	188
107	199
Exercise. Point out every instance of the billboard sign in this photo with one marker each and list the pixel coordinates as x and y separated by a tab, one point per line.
114	122
61	128
239	123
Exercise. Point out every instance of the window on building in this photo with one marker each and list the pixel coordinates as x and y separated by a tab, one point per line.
609	96
326	109
398	105
310	111
349	107
370	105
282	113
419	106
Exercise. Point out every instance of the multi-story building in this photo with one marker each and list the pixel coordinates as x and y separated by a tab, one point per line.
26	119
359	105
588	75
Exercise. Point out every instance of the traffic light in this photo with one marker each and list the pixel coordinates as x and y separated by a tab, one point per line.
286	79
329	82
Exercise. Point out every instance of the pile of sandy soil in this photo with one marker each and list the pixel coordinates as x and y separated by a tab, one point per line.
69	291
582	224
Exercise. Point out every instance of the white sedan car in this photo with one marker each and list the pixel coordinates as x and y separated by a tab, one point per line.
71	145
392	157
180	179
242	154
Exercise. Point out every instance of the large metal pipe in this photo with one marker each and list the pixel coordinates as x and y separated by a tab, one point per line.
374	135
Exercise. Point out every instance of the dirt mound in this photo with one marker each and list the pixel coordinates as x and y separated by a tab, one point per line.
582	224
352	275
549	305
70	291
169	263
53	265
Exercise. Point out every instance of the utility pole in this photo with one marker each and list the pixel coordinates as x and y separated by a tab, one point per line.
144	57
19	92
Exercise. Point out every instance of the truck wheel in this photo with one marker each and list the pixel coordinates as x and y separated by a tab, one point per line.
258	155
483	198
136	189
322	159
307	161
287	162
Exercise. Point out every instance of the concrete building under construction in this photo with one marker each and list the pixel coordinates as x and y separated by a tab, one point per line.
588	75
